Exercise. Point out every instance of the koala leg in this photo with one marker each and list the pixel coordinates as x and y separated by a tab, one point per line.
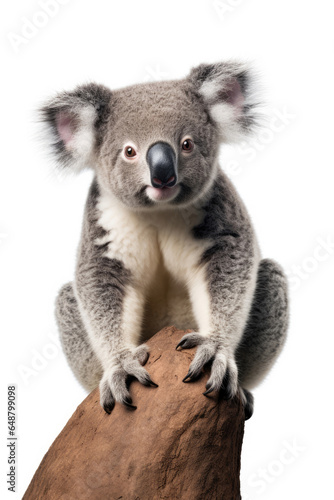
76	345
265	332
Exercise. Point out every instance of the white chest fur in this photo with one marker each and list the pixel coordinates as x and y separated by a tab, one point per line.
145	241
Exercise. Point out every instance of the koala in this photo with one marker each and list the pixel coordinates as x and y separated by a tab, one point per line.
165	238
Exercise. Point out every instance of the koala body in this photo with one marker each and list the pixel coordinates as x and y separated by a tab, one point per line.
166	238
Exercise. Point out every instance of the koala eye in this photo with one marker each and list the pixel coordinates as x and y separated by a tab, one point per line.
187	145
130	152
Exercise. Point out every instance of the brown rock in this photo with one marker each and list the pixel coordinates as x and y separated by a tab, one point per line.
178	444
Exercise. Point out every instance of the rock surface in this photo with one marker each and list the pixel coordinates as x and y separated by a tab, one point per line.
178	444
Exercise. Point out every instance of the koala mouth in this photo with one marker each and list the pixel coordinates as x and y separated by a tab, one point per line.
162	193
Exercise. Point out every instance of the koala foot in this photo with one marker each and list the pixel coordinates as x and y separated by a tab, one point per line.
113	385
224	371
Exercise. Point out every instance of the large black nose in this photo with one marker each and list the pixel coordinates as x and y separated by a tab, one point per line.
162	162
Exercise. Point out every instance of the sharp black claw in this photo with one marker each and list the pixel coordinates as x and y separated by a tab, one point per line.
108	405
128	402
208	391
180	344
108	408
146	358
149	383
189	376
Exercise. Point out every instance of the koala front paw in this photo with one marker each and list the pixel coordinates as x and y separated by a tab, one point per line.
224	371
113	385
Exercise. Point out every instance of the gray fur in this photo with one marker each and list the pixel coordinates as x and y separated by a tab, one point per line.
192	260
265	332
75	342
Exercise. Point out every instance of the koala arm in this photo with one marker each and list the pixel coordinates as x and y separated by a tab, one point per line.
222	288
104	290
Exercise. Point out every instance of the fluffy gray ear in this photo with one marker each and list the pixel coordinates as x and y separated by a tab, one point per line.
75	121
226	89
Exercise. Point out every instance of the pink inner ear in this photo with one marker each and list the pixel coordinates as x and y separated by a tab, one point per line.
234	95
65	127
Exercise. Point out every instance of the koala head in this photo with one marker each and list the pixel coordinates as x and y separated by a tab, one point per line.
153	144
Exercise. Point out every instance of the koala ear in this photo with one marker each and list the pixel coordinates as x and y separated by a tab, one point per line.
75	122
225	89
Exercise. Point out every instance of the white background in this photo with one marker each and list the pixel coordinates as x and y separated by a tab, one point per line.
285	178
